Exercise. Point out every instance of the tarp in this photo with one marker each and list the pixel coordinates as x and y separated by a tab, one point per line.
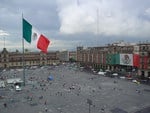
50	77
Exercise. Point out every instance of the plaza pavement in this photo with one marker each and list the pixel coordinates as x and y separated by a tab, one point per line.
70	91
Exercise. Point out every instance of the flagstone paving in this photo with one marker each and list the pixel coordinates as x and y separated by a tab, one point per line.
73	91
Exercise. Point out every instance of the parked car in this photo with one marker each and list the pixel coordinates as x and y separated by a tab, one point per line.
129	77
101	73
18	88
112	75
135	81
115	74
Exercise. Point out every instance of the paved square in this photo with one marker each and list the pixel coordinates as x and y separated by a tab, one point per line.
73	91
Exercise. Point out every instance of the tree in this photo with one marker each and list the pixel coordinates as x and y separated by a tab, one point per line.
17	51
72	60
26	50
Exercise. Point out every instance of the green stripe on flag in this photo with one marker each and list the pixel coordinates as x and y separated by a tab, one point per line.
27	31
117	58
111	59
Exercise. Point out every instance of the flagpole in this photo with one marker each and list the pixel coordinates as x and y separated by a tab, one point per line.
23	55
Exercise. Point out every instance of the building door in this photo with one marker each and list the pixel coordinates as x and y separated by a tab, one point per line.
43	63
5	65
142	75
149	74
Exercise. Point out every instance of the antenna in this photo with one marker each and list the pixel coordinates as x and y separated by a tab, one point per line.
4	42
97	21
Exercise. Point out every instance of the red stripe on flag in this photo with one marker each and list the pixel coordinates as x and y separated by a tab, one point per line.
43	43
136	60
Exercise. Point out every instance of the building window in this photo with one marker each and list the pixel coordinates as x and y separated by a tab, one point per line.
149	62
142	54
143	48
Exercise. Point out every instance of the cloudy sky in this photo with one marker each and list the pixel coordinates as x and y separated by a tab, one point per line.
72	23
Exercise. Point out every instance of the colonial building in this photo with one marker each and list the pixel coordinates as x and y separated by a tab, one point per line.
116	57
72	55
144	65
15	59
64	56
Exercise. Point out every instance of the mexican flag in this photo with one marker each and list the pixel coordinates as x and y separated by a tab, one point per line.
31	35
123	59
126	59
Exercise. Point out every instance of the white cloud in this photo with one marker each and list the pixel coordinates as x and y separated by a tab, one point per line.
3	33
105	17
147	12
76	18
76	22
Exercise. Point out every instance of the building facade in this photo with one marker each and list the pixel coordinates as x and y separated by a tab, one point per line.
144	52
116	57
15	59
64	56
73	55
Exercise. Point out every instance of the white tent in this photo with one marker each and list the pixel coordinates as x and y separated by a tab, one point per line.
14	80
2	84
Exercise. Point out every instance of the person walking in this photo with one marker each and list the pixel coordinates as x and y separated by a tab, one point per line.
5	105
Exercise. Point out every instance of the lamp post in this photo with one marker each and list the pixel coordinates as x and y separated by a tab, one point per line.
89	101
